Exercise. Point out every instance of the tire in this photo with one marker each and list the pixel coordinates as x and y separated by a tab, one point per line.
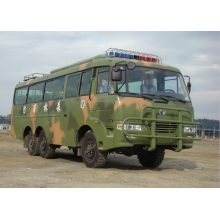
46	150
33	144
151	159
92	157
25	144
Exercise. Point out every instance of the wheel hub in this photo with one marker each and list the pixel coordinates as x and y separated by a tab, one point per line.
31	143
90	150
43	144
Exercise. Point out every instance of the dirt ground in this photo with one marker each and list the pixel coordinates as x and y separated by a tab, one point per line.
194	168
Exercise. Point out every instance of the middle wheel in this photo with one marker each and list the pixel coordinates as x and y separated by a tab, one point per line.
33	144
92	157
46	150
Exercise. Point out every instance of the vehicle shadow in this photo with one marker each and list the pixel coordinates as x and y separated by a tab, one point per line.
122	162
67	155
132	163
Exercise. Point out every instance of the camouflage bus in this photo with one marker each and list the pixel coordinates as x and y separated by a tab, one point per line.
122	102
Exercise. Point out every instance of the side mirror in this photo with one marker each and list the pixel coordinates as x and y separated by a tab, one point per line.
188	84
116	74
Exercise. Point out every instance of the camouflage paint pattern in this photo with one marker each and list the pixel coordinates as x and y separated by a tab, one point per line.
101	112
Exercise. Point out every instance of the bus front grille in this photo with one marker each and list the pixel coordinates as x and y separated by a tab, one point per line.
162	127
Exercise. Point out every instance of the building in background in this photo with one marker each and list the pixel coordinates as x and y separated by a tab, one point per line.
208	133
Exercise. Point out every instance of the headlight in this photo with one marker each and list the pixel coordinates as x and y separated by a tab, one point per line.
189	129
130	127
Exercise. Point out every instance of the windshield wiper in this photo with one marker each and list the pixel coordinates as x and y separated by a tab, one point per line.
146	96
158	96
175	98
140	95
149	96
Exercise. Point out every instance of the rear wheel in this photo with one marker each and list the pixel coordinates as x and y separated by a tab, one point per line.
46	150
33	144
151	159
92	157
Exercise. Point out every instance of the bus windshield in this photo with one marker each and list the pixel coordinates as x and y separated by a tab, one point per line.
153	82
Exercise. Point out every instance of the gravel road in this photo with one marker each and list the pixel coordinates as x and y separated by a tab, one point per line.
194	168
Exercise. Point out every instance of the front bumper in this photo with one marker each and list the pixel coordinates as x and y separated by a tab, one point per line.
154	136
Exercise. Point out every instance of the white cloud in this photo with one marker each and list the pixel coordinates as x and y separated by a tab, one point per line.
194	53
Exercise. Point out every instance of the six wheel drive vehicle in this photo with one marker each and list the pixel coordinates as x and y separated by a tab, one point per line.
119	102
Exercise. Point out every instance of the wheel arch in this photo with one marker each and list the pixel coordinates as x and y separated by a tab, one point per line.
38	130
81	132
26	131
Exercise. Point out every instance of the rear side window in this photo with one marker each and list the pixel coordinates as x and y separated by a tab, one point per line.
20	96
35	93
54	89
85	85
72	86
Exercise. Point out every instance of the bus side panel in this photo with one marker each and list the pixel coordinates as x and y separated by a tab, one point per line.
16	122
69	121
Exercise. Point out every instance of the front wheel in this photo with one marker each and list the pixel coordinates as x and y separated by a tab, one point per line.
151	159
92	157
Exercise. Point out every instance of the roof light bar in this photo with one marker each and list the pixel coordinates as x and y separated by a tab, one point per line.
133	55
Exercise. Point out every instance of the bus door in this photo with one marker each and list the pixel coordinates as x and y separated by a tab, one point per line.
103	99
70	109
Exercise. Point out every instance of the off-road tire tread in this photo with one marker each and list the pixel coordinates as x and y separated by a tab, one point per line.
151	159
37	149
25	144
102	160
102	155
50	152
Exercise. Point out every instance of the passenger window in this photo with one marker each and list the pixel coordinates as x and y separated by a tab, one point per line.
58	88
85	84
72	86
20	96
54	89
35	93
48	90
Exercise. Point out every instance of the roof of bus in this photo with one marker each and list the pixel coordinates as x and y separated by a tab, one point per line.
97	61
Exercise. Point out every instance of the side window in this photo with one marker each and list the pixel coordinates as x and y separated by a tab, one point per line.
72	86
54	89
103	81
58	88
48	91
85	84
20	96
35	93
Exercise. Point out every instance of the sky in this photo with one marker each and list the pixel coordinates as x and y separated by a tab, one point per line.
196	54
